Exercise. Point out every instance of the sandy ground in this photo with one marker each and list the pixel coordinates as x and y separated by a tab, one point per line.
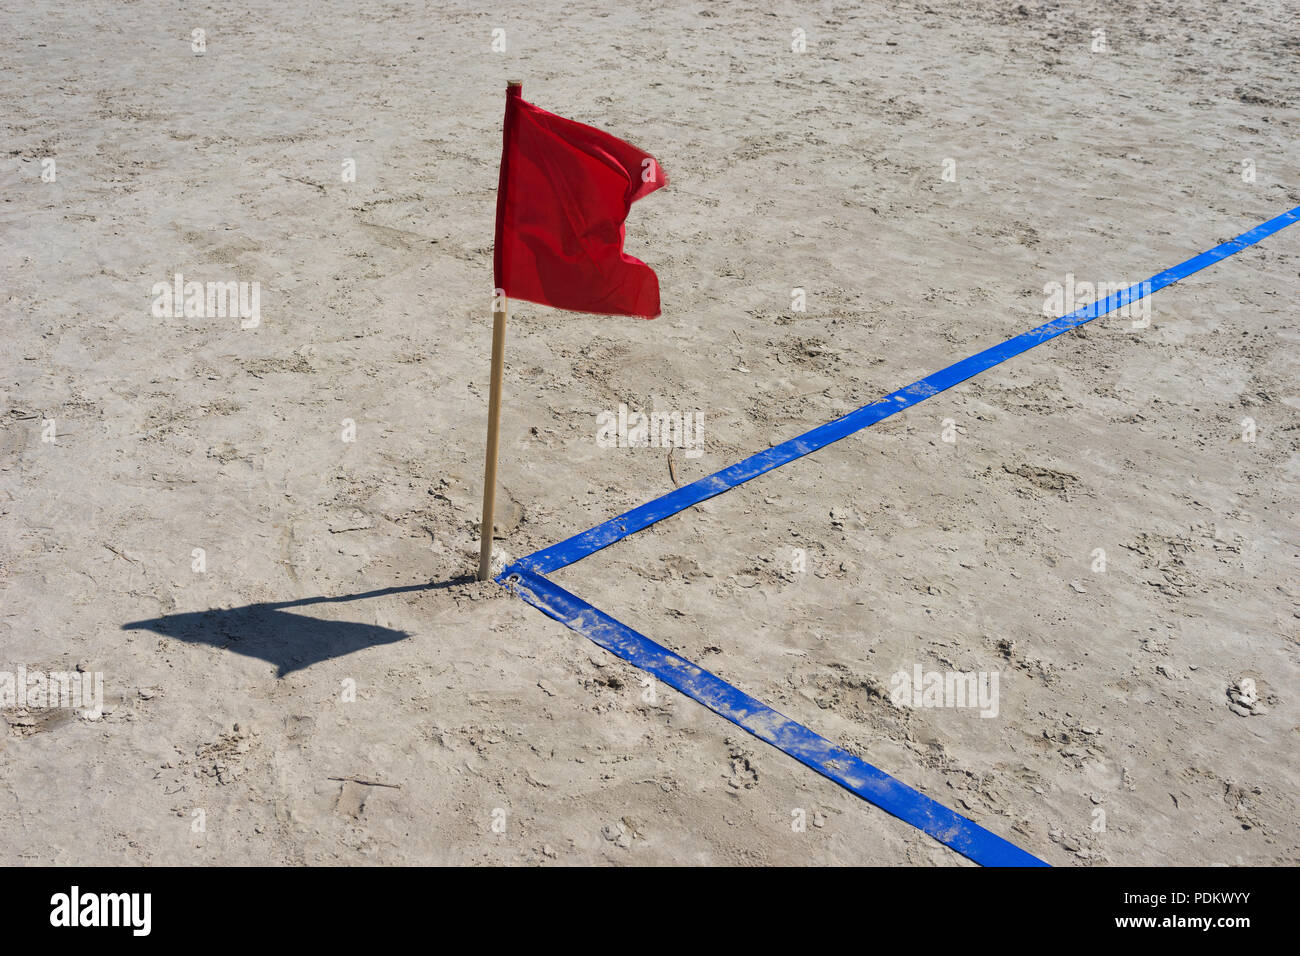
230	735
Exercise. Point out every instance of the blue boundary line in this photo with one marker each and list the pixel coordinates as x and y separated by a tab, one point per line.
874	785
526	577
615	529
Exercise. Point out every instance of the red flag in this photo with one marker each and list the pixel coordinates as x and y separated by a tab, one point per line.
564	194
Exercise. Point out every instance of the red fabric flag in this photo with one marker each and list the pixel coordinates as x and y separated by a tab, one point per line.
564	194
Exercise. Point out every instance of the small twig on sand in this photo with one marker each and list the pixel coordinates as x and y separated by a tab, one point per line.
368	783
672	471
305	182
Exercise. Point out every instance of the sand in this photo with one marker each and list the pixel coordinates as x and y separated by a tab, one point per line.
332	688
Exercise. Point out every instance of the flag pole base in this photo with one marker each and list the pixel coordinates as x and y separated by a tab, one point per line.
494	424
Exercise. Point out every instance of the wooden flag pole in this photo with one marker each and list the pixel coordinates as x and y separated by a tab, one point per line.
494	423
498	371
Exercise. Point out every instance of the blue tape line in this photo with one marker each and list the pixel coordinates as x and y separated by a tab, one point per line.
868	782
951	829
580	545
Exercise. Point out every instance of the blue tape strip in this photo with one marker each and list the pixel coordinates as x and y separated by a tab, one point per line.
868	782
953	830
580	545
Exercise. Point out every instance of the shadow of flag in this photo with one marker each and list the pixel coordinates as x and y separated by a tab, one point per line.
271	633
